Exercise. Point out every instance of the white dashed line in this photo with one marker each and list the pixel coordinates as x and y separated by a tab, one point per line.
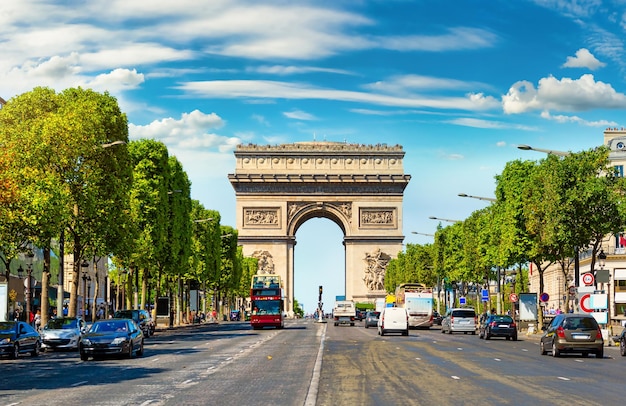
563	378
455	377
79	383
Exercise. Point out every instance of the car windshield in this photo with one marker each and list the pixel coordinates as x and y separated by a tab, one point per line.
7	327
575	323
463	313
59	324
108	326
502	319
375	314
124	314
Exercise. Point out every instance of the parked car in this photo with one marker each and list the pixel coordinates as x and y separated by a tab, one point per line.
17	337
571	332
461	319
62	333
360	314
371	319
393	320
498	325
437	318
141	317
622	343
121	337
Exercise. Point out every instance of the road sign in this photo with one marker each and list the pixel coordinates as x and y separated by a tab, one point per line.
462	301
584	303
544	297
485	295
588	278
513	297
572	290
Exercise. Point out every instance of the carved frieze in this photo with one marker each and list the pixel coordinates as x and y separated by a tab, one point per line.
261	217
376	266
378	217
344	207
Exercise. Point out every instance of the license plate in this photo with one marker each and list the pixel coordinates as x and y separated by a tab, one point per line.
463	321
503	325
580	336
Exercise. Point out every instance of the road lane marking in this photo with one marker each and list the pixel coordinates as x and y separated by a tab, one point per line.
155	359
563	378
79	383
455	377
417	358
497	359
460	349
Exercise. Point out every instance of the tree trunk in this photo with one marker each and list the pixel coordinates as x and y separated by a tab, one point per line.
72	310
45	284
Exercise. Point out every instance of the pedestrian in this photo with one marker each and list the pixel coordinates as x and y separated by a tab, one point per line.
16	315
37	320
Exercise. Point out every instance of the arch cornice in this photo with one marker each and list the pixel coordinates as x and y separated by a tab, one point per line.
338	212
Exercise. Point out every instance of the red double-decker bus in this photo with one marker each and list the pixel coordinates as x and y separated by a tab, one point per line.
266	295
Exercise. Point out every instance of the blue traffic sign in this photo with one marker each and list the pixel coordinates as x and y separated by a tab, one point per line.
462	301
485	295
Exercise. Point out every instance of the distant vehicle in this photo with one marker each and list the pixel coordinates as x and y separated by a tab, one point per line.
371	319
573	333
498	325
62	333
344	312
235	315
141	317
360	314
266	297
17	337
393	320
461	319
121	337
622	343
380	304
417	299
437	318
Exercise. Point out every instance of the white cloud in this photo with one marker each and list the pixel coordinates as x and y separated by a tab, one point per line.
294	70
458	38
272	89
559	118
299	115
260	119
565	95
406	84
583	59
117	80
188	133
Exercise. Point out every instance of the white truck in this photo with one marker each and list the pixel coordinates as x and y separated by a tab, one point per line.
344	312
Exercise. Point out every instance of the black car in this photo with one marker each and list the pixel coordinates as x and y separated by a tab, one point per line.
121	337
437	318
17	337
141	317
622	343
498	325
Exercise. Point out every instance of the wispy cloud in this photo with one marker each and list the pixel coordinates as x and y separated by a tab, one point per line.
299	115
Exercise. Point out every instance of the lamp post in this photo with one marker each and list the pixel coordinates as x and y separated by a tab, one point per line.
547	151
84	265
442	219
426	234
489	199
601	264
513	304
28	283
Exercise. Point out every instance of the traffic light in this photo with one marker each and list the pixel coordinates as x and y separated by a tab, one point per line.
321	289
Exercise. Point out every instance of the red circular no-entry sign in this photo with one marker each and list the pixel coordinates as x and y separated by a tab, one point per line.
584	305
588	279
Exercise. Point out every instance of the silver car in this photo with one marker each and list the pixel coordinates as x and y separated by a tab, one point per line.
459	320
62	333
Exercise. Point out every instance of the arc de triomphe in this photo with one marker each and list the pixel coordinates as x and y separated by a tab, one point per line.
359	187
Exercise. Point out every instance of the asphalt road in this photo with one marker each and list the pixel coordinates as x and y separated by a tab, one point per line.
428	368
231	364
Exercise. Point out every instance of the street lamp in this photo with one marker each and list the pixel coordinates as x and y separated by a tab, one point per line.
112	144
426	234
442	219
513	304
27	282
547	151
85	277
489	199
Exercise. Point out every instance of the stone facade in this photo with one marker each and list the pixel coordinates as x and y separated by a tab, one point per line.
359	187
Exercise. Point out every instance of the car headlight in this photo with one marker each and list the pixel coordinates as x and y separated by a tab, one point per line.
5	341
86	341
119	340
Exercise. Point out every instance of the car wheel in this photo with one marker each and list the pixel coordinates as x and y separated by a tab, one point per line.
514	338
35	351
542	348
584	354
382	332
555	351
16	352
83	356
140	350
366	326
130	351
442	331
600	353
405	333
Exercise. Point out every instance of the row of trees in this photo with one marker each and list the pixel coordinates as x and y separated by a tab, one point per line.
546	212
68	173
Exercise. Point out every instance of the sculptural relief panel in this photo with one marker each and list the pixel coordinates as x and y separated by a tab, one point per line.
378	217
265	262
376	266
261	217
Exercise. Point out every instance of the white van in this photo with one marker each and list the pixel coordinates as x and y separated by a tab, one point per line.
393	320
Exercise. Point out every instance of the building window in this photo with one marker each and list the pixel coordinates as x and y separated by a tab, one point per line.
620	170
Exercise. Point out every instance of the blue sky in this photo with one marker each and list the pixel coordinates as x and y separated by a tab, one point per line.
459	84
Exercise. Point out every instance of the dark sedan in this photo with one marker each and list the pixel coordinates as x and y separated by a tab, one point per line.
17	337
498	326
121	337
371	319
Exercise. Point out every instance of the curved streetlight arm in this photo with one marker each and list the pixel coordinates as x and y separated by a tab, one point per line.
489	199
112	144
426	234
525	147
442	219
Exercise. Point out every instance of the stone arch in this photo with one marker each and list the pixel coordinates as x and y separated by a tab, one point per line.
358	187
